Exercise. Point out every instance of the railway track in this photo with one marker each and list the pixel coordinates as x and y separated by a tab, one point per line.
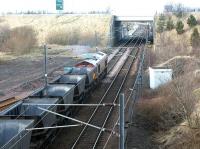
108	140
99	115
89	137
114	60
5	103
84	113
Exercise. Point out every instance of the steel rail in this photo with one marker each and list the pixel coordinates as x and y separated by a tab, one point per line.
94	112
52	107
116	97
74	105
9	101
34	125
121	48
127	101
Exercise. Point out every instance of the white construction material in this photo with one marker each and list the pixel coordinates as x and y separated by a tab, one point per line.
159	76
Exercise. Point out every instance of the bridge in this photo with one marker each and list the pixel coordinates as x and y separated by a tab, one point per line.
125	27
143	19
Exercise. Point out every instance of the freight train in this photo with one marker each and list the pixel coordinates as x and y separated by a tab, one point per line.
17	121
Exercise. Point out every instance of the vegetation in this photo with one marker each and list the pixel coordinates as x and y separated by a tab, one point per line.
5	34
195	38
21	34
179	27
75	29
75	36
18	40
179	10
170	24
173	112
191	21
161	23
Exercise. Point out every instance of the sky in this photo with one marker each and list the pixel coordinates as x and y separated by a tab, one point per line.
118	7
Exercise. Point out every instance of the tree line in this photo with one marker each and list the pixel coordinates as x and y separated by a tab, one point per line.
165	23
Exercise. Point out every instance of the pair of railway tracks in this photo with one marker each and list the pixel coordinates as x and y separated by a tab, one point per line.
96	138
97	118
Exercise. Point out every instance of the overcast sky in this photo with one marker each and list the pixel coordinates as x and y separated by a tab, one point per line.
120	7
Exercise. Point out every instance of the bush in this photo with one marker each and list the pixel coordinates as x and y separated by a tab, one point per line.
170	24
191	21
4	36
179	27
179	10
195	38
161	23
63	36
21	40
172	104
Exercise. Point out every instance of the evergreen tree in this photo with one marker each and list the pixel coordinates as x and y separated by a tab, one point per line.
191	21
195	38
179	27
161	23
170	24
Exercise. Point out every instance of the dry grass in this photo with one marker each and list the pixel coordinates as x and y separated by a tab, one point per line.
19	40
166	47
81	27
4	35
172	109
169	44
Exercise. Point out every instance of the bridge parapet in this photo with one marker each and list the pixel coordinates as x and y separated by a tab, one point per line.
134	18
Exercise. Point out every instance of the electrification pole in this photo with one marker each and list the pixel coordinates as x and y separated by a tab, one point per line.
121	98
45	65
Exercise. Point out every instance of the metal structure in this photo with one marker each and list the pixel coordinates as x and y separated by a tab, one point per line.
121	121
23	109
45	66
64	92
132	97
11	132
59	4
121	27
143	19
51	105
77	80
89	135
55	97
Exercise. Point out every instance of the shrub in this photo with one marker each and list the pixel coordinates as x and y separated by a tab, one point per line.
170	24
179	10
172	104
4	36
182	89
161	23
195	38
191	21
21	40
63	37
179	27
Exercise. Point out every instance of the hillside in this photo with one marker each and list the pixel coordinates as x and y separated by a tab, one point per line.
82	27
171	111
169	44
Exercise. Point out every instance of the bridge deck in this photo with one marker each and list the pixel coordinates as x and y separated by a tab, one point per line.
135	18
